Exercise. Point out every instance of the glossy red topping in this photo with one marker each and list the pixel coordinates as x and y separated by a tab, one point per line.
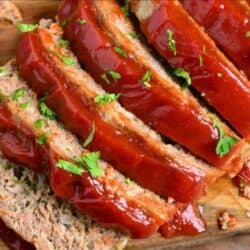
186	221
12	240
158	107
227	22
128	153
217	80
87	194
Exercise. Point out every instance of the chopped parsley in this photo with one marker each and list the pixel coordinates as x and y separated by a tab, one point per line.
200	60
7	165
46	111
106	98
146	79
17	94
90	162
82	21
125	8
171	41
24	105
225	142
90	137
120	51
105	78
134	35
64	23
182	73
128	181
70	167
42	139
63	43
65	59
39	123
23	27
247	34
219	75
2	70
115	75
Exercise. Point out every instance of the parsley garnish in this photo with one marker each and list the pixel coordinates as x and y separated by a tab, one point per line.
120	51
7	165
105	78
82	21
247	34
200	60
128	181
180	72
2	70
46	111
39	123
106	98
23	27
125	8
63	43
17	94
64	23
146	79
70	167
134	35
90	162
90	137
42	139
115	75
24	105
225	142
65	59
171	41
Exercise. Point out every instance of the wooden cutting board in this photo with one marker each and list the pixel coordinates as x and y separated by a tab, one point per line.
221	196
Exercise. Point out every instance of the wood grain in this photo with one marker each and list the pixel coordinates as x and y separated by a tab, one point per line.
221	196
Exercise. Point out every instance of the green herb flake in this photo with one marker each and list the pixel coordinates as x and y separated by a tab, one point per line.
145	80
70	167
7	165
42	139
225	142
23	27
106	98
134	35
219	75
24	105
46	111
105	78
120	51
39	123
63	43
17	94
200	60
27	183
66	59
2	70
90	137
128	181
125	8
64	23
115	75
90	162
247	34
182	73
82	21
2	97
171	41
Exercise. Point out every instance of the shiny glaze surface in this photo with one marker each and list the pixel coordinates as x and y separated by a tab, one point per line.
227	23
12	240
181	121
186	221
87	194
217	80
159	174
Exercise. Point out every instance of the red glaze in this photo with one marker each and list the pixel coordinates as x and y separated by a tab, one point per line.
12	240
227	23
186	221
126	152
87	194
229	92
158	107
